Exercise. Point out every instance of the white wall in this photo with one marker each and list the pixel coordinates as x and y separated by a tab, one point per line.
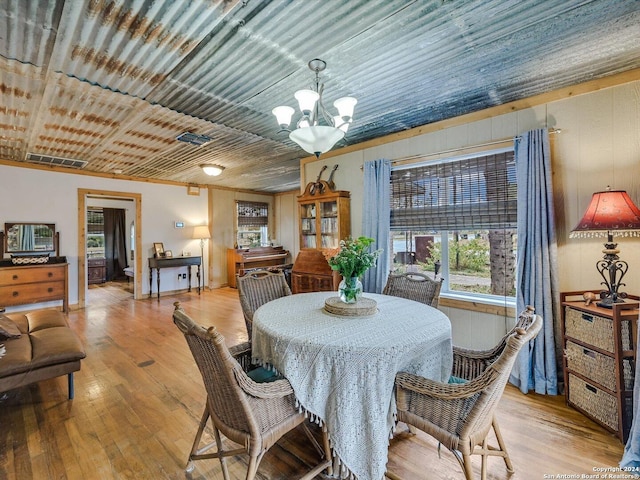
599	145
31	195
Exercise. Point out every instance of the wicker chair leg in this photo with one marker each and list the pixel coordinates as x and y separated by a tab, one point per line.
196	440
223	460
324	452
327	451
252	469
503	447
466	465
199	453
483	464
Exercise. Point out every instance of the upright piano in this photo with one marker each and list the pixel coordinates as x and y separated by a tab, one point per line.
243	260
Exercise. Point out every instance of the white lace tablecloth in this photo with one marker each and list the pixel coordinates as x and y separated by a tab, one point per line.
342	369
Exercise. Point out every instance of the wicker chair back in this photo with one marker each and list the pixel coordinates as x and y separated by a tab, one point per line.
414	286
257	288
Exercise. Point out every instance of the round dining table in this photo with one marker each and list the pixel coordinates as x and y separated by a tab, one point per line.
342	368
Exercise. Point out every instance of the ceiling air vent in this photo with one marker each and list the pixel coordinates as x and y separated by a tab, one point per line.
55	161
193	138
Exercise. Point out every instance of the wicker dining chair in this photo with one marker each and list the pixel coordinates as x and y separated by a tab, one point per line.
414	286
257	288
460	415
253	415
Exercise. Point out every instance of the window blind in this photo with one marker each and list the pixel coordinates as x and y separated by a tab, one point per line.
472	193
252	214
95	221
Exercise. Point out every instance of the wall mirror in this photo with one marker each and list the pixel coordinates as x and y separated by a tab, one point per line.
29	237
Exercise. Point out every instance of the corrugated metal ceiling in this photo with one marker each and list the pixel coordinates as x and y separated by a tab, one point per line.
113	83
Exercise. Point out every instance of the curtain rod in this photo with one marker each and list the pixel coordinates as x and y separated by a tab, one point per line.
453	150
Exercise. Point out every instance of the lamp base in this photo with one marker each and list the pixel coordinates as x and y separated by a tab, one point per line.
609	302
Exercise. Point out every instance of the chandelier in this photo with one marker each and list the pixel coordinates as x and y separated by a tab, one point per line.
309	133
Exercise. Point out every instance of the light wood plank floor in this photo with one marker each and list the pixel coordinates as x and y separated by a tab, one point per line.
139	398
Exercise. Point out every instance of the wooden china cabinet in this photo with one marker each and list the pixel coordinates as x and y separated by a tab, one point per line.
324	219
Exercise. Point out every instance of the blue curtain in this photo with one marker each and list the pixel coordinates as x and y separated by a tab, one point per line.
376	219
631	455
27	238
537	276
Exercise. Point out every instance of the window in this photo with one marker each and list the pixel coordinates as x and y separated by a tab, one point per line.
457	219
253	220
95	233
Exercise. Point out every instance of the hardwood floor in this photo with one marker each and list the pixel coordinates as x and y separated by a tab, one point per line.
139	398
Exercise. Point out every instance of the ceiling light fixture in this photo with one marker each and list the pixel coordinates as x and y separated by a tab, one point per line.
309	134
211	169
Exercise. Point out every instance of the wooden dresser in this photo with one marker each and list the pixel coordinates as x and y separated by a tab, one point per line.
27	284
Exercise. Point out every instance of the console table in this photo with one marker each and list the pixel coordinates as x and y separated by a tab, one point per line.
173	262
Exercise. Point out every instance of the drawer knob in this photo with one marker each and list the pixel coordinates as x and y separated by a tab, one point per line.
50	274
15	294
15	277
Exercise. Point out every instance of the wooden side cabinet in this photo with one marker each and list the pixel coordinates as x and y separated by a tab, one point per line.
97	270
599	360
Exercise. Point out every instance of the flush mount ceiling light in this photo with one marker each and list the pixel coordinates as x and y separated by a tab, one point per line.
211	169
309	133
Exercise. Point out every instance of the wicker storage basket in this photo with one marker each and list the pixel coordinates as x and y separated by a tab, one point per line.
596	402
595	330
597	366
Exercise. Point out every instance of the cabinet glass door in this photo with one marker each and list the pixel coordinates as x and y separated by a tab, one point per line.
329	224
308	225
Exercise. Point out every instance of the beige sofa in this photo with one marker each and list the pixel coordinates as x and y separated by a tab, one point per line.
46	348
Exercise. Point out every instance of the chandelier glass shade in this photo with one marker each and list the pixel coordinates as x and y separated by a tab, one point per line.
308	133
610	213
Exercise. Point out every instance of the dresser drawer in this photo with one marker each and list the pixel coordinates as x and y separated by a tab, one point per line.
31	293
598	367
595	330
596	402
18	276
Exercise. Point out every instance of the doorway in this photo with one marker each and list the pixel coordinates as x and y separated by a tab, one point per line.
92	199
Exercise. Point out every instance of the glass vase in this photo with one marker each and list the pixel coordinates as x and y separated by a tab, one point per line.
350	289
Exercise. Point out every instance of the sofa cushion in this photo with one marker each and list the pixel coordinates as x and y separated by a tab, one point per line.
43	319
17	356
8	329
55	345
20	320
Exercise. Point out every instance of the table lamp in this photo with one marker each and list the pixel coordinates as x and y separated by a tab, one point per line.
610	212
201	232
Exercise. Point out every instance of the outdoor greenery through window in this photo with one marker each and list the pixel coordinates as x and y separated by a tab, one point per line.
456	220
252	224
95	233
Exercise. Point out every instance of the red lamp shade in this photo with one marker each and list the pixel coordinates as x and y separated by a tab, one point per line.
611	210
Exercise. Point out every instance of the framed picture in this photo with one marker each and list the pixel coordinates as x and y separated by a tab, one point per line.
168	253
158	249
